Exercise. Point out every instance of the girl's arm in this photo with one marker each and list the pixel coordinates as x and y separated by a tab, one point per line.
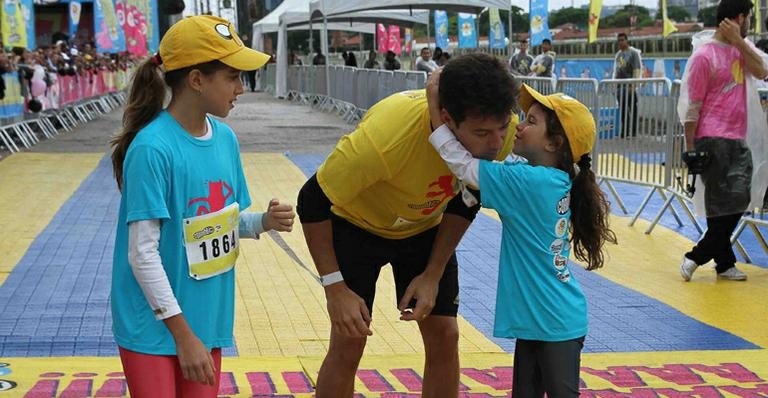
278	217
459	160
144	257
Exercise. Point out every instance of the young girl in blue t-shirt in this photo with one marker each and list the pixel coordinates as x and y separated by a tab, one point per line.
547	199
181	220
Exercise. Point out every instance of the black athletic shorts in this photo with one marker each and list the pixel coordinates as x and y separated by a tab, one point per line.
361	255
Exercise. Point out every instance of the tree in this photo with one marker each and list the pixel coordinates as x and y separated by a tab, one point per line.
623	18
576	16
675	13
708	16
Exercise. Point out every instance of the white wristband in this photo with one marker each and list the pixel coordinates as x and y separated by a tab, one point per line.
330	279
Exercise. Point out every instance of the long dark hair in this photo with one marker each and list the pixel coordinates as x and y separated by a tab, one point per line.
145	102
589	206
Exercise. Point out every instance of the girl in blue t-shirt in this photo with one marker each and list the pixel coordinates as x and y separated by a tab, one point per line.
547	199
180	222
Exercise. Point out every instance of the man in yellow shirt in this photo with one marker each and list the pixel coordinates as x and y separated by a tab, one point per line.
384	195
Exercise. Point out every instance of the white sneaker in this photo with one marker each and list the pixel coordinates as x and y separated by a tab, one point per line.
687	267
732	274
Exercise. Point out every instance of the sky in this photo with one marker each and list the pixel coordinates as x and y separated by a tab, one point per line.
557	4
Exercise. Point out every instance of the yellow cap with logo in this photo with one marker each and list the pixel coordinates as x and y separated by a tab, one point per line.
575	118
204	38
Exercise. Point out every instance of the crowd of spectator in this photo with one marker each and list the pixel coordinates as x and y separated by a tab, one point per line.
39	69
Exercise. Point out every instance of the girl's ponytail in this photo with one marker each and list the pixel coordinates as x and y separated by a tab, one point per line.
589	216
145	102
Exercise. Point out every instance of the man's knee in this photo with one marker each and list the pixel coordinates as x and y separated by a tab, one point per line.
346	350
440	331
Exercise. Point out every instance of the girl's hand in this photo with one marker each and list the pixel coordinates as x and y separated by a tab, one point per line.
433	98
195	360
278	217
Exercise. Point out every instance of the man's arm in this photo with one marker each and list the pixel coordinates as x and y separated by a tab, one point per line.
424	287
731	31
347	311
637	67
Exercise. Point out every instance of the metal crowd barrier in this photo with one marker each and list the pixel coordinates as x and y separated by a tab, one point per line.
352	91
69	101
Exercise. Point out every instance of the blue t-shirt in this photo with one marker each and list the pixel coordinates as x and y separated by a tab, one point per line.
170	175
537	297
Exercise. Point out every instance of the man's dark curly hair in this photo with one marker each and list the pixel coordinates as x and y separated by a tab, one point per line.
477	85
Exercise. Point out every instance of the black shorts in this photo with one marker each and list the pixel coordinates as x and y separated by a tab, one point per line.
361	255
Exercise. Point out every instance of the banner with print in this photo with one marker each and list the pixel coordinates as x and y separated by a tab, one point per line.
28	15
467	31
75	9
497	35
394	40
441	29
408	40
595	8
382	38
109	34
539	22
13	24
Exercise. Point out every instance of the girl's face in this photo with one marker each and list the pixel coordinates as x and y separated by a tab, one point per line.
220	91
532	142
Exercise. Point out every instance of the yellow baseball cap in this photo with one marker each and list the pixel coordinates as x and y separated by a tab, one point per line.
575	118
203	38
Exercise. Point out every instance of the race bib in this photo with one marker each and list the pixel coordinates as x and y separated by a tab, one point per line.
212	242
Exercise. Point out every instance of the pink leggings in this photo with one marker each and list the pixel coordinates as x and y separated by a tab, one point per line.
159	376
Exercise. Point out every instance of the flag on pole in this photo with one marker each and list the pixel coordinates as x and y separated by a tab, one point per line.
497	29
595	7
539	24
394	39
669	27
441	29
383	38
74	17
408	39
467	31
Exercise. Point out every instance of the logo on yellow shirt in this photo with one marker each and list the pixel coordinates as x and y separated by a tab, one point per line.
440	190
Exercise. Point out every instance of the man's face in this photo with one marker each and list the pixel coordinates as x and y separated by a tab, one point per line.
523	45
426	54
545	46
482	136
623	42
745	22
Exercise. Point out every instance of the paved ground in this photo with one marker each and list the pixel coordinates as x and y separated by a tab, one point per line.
263	124
650	333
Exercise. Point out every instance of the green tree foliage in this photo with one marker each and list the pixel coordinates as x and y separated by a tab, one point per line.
623	18
675	13
708	16
576	16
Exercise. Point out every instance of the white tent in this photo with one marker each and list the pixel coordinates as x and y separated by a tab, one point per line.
320	8
270	23
292	20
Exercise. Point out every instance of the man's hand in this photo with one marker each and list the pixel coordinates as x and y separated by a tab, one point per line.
348	312
424	290
731	31
278	217
433	98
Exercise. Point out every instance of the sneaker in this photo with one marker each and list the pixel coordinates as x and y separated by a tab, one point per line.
732	274
687	268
